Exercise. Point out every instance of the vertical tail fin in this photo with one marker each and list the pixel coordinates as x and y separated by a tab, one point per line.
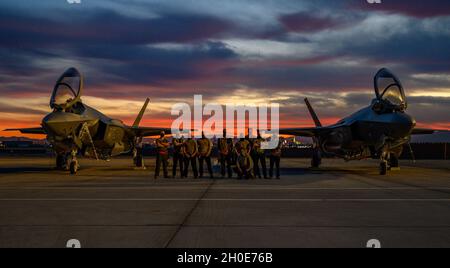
313	113
141	113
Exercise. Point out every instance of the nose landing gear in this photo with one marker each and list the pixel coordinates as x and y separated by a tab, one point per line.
316	159
73	164
383	167
384	157
389	160
61	161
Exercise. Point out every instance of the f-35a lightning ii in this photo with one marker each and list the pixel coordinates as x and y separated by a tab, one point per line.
74	128
378	131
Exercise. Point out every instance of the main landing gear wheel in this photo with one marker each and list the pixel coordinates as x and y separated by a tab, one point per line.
393	162
61	161
73	167
316	159
383	167
385	156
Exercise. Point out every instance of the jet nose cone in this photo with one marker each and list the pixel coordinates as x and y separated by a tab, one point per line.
61	123
405	124
409	121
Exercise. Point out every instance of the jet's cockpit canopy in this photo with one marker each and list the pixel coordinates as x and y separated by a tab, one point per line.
389	90
67	90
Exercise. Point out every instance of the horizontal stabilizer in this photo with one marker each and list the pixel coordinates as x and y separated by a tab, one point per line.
33	130
307	131
149	131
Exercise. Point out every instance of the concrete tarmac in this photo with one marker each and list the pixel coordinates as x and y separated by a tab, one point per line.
111	204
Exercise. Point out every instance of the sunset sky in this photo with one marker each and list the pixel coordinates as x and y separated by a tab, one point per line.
228	51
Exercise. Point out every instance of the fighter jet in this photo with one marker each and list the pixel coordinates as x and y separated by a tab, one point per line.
378	131
74	128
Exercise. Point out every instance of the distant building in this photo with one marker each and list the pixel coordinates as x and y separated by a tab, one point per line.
438	137
18	144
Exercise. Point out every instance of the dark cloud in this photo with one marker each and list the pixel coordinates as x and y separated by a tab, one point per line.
416	48
105	26
414	8
307	22
116	47
437	109
154	65
19	110
319	77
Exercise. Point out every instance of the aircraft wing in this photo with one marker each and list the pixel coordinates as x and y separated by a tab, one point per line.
149	131
306	131
32	130
418	131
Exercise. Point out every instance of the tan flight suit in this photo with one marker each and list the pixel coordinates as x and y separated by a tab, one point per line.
178	156
191	152
259	156
275	156
225	146
242	144
204	151
162	156
244	166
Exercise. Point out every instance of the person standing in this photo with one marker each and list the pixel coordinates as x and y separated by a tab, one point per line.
275	157
242	145
259	156
190	157
162	154
244	165
204	151
225	146
138	158
178	155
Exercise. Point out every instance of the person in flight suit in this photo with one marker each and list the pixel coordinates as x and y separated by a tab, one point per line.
275	156
178	155
258	156
242	145
162	154
190	156
244	165
138	158
204	152
225	146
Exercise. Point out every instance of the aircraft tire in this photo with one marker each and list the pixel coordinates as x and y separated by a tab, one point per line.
383	168
393	161
316	159
73	167
60	161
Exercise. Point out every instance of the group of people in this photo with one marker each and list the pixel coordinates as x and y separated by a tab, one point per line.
243	157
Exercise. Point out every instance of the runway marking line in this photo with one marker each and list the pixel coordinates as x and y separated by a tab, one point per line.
220	188
239	199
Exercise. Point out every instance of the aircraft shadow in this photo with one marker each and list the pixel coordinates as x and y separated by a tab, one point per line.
324	170
9	170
